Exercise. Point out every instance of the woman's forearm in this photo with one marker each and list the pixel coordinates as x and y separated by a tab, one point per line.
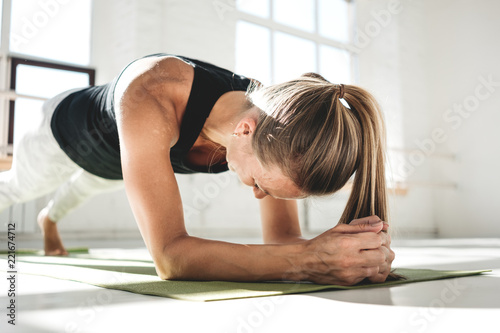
287	239
344	255
192	258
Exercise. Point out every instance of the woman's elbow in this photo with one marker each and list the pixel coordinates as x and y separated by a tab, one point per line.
170	259
169	265
168	269
165	274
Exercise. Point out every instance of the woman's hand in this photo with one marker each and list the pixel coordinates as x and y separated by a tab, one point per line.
385	268
349	253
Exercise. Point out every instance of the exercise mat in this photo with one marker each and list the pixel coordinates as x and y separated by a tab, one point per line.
139	276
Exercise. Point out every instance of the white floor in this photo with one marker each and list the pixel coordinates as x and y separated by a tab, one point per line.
456	305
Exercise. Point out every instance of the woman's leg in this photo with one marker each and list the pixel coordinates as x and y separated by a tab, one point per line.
78	189
81	186
39	165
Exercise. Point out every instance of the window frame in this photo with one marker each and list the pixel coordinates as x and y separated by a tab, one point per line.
8	64
15	61
314	36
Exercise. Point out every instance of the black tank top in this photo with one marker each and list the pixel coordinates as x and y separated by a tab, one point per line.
84	123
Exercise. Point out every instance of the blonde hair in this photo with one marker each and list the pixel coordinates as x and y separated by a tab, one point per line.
320	143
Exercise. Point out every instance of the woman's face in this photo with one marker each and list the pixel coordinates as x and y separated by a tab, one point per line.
264	180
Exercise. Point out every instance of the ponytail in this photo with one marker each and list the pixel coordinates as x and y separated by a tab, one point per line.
369	193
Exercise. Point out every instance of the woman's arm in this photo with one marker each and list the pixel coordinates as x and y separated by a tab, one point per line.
280	221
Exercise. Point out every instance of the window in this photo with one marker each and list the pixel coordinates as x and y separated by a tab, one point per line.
277	40
39	80
46	52
55	30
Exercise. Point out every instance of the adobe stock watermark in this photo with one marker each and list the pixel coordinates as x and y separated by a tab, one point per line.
454	117
264	309
35	23
421	319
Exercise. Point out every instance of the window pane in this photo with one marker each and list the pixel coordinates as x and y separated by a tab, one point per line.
295	13
42	82
51	29
293	56
254	7
335	64
334	19
253	51
47	82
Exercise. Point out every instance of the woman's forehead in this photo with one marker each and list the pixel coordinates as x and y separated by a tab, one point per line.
273	181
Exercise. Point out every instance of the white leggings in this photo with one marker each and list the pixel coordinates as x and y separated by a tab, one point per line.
40	167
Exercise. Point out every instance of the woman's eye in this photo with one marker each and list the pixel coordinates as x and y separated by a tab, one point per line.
256	186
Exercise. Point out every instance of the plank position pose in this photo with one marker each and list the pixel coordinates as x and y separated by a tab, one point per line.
165	114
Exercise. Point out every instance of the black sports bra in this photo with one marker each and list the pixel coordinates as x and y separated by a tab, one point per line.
84	123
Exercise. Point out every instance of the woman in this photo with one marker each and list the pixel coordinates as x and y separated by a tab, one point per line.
167	114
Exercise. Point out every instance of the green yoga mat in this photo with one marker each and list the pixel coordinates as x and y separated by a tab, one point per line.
139	276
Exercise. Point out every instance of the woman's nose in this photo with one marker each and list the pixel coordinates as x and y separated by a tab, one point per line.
258	193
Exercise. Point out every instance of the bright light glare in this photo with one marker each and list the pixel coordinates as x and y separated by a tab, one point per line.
293	56
297	14
335	64
334	19
53	30
253	51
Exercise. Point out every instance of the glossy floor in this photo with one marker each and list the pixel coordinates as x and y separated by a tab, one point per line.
456	305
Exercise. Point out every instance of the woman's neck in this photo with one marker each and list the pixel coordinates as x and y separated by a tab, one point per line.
229	109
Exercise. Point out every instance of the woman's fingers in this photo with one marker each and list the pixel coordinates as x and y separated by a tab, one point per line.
348	254
375	257
375	226
386	239
360	241
366	220
385	267
346	277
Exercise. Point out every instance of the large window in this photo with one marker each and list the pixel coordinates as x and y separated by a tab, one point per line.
277	40
45	52
55	30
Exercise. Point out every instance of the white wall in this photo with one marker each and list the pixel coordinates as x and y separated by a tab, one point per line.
390	48
429	56
464	51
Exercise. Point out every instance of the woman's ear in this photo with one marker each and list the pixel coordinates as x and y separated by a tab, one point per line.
246	126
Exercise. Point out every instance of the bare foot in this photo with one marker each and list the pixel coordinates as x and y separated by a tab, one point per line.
52	241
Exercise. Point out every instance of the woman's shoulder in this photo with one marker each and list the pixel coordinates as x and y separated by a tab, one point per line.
165	80
153	73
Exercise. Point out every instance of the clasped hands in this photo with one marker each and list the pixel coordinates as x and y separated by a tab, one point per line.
349	253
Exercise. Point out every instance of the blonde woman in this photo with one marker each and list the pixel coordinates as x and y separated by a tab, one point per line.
165	114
